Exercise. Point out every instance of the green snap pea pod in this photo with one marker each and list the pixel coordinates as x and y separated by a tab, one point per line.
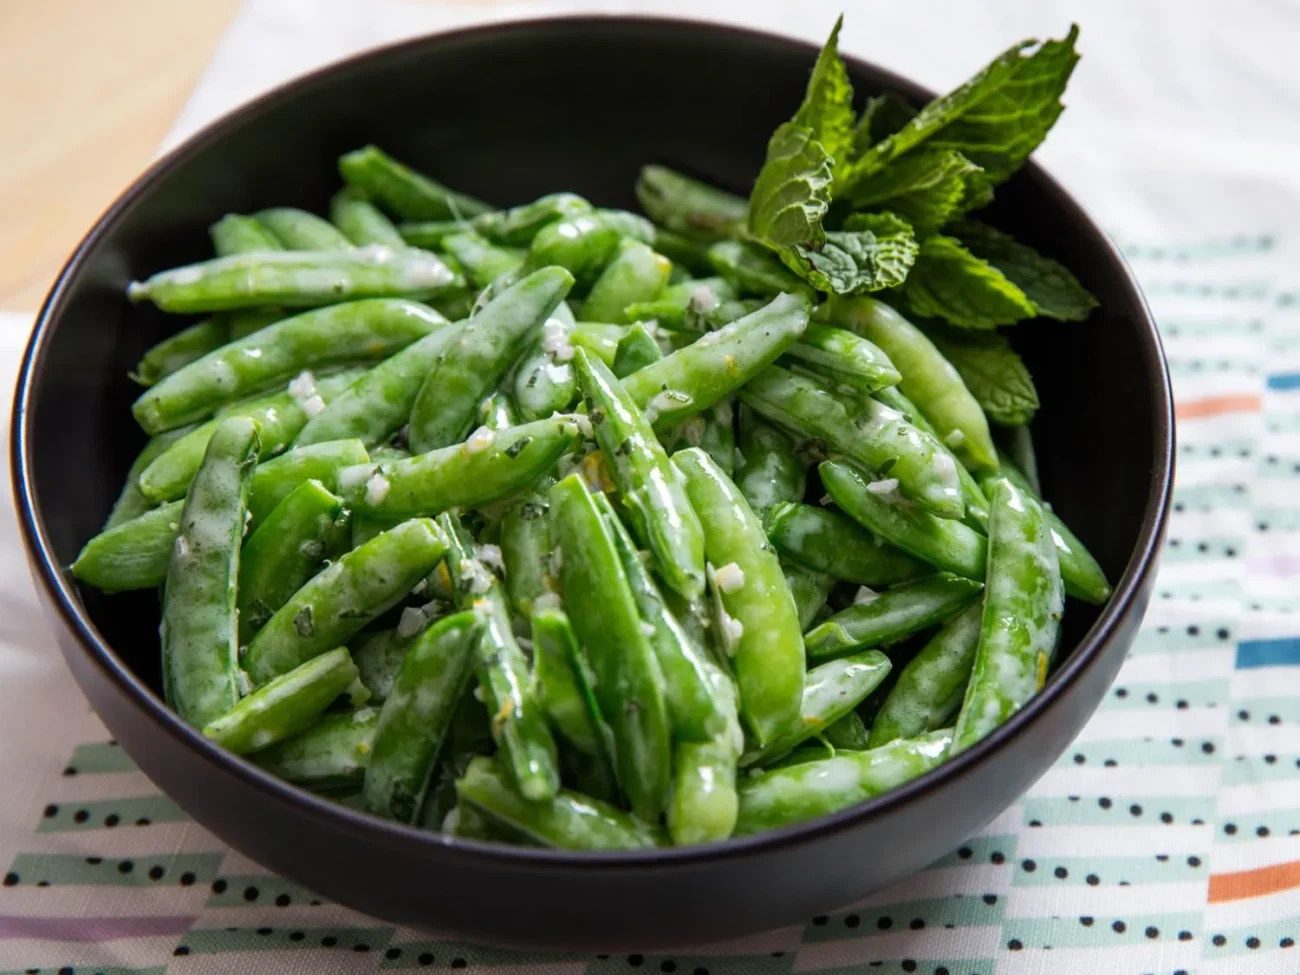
629	683
636	273
296	279
850	732
1022	616
479	356
279	418
483	261
330	755
687	206
543	381
1020	451
1083	576
466	822
131	503
768	470
285	706
429	234
379	657
275	479
518	721
199	640
843	358
417	714
628	224
695	295
713	431
865	431
235	234
562	687
526	552
942	542
196	341
585	243
284	552
810	591
338	335
298	230
929	380
568	821
407	193
892	615
755	270
485	468
636	350
517	226
599	338
797	793
338	602
694	378
977	505
684	252
131	555
930	688
830	691
825	541
704	803
361	222
696	711
760	626
650	491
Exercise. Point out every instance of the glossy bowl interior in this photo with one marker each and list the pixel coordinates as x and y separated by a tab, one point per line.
507	113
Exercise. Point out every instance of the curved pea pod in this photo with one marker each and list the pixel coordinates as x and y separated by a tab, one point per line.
768	471
199	639
840	357
704	803
892	615
279	418
526	553
929	380
361	222
825	541
236	234
977	504
942	542
849	732
562	687
695	377
429	234
688	206
331	755
378	656
810	591
830	692
1024	459
1083	576
599	338
487	467
569	821
275	479
628	224
416	716
543	382
285	706
131	502
681	305
629	684
299	230
131	555
929	691
196	341
1022	616
338	602
585	243
296	279
755	270
517	226
636	350
685	253
285	551
635	273
694	704
760	627
481	260
798	793
865	431
407	193
650	492
479	356
518	722
334	336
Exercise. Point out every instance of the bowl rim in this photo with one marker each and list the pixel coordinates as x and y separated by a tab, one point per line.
47	572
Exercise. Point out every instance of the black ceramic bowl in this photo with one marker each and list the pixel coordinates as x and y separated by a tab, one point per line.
507	113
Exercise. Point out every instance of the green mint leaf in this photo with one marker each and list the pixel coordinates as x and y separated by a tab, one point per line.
827	107
1054	291
873	252
949	282
992	371
793	190
996	119
882	116
928	188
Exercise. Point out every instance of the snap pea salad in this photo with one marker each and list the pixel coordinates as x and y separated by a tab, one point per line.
566	526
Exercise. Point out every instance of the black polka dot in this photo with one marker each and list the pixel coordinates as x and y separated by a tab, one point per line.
180	950
1286	943
1135	810
1274	719
997	857
1270	759
1152	932
1061	873
941	971
1014	944
965	853
1092	880
820	920
94	861
990	899
126	866
1086	921
1261	831
187	879
1121	692
283	900
1166	817
329	941
1119	927
1230	828
219	886
1152	698
1034	823
1243	715
1079	758
1219	940
1195	630
111	820
1193	861
264	931
1029	866
297	936
425	959
1223	633
916	924
11	879
634	960
361	947
852	921
144	821
1207	747
156	873
885	923
909	965
69	771
1104	802
1110	763
1181	705
1252	942
392	954
1184	936
81	815
251	893
51	811
670	966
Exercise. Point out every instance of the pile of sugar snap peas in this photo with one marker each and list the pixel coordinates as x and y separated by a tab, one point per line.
553	526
